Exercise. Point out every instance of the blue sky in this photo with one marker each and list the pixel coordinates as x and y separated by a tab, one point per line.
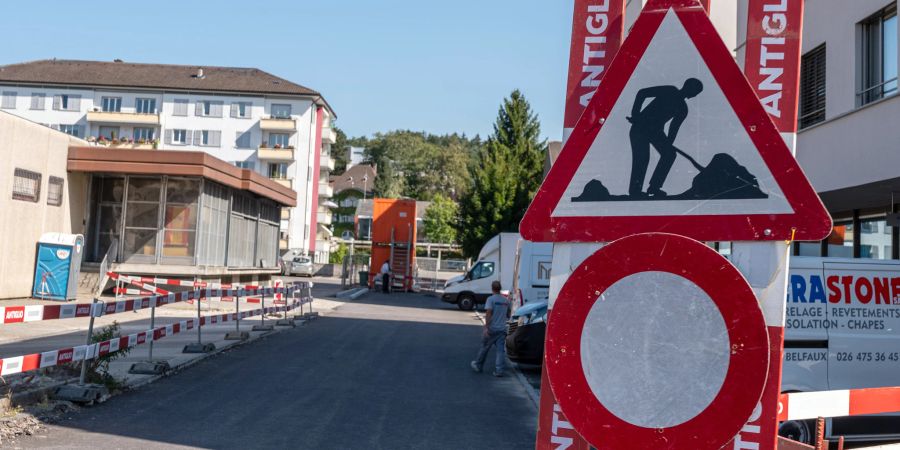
382	64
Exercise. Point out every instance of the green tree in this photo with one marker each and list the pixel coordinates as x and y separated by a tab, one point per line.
506	175
388	184
339	150
440	220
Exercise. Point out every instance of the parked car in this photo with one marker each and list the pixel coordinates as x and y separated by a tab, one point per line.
525	333
300	266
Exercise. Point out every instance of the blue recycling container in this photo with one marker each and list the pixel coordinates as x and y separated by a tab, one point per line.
57	266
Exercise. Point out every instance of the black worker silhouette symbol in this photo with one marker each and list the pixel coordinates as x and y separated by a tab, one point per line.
723	178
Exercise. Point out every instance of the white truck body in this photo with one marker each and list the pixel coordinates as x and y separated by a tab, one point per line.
497	260
842	331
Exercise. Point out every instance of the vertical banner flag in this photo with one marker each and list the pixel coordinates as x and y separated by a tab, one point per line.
772	66
772	57
597	33
597	29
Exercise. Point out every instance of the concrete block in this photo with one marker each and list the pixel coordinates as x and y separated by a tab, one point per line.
199	348
150	368
285	323
262	328
237	336
74	393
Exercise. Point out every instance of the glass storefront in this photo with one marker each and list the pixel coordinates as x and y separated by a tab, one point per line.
155	220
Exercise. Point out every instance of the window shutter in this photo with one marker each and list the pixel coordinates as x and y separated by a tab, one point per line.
198	137
215	138
37	101
168	138
74	103
181	106
234	109
215	109
198	111
57	101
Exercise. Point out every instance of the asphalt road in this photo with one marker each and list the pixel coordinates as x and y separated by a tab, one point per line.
380	372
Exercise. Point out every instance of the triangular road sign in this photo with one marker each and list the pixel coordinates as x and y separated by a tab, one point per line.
675	140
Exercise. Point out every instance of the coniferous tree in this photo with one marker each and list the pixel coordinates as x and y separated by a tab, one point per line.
506	175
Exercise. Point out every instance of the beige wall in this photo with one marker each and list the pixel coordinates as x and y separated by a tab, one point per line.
33	147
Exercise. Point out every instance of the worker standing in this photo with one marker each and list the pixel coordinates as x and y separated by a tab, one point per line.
385	277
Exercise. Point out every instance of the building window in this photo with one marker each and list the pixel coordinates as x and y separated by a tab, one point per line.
37	100
180	227
279	140
142	217
812	87
9	100
208	138
144	134
278	171
109	133
244	164
74	130
179	137
209	108
145	105
111	104
281	111
878	56
240	110
840	241
26	185
55	191
66	102
181	107
242	139
875	238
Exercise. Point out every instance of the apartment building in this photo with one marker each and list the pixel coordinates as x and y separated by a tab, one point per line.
244	116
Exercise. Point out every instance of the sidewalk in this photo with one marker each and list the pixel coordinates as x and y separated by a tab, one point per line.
34	337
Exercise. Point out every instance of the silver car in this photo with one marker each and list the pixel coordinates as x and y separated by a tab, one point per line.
300	266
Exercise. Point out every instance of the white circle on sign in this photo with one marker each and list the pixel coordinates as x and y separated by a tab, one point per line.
655	349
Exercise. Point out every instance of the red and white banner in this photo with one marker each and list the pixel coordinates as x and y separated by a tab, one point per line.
597	30
772	66
772	57
852	402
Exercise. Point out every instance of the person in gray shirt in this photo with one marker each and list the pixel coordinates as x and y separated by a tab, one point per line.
497	307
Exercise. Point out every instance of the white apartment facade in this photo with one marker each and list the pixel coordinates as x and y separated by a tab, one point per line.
244	116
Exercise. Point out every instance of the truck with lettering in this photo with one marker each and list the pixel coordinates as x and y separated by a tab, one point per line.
842	331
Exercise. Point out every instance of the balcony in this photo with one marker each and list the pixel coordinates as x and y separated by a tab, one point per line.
328	135
326	162
278	124
323	218
286	182
123	117
128	144
275	154
325	190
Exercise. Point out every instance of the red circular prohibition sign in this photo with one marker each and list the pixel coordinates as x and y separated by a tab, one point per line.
721	281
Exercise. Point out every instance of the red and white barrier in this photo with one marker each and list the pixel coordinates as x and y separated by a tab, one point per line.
35	313
848	402
34	361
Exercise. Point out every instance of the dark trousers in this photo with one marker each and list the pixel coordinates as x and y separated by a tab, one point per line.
385	282
641	139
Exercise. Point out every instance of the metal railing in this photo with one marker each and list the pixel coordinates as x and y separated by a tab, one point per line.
108	258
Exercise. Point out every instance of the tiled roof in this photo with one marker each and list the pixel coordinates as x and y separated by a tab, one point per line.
150	76
342	182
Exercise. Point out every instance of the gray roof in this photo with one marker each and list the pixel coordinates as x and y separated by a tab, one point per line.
150	76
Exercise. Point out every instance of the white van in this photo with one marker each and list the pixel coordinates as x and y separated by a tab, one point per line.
842	331
497	260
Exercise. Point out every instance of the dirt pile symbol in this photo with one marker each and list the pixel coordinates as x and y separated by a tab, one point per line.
723	178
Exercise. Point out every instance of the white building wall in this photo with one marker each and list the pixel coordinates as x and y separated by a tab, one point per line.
303	138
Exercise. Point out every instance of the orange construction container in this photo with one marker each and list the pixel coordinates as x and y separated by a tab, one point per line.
394	241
